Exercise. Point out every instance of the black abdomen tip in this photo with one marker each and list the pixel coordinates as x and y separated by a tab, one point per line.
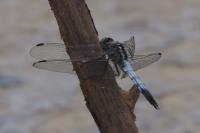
150	98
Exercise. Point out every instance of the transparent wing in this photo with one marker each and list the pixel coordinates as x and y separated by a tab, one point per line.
46	51
129	46
63	66
141	61
54	57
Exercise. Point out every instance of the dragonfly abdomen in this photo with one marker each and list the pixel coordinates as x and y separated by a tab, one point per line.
133	76
136	79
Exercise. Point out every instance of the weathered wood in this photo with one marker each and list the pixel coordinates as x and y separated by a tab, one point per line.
131	96
111	110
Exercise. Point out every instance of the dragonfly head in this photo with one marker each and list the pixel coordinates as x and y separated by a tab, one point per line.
106	40
113	49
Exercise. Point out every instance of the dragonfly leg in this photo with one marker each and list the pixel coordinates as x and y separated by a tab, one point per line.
117	69
106	65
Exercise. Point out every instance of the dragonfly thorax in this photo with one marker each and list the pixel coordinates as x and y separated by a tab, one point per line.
114	50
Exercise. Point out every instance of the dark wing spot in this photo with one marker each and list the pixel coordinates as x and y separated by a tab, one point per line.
39	62
40	44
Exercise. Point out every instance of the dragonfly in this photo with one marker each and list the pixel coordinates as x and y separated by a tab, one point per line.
120	56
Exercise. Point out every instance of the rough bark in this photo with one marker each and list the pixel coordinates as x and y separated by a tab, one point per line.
110	107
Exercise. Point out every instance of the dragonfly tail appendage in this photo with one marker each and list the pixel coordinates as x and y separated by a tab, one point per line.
150	98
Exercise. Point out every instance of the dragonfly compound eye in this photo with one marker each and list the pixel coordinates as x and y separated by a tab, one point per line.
105	40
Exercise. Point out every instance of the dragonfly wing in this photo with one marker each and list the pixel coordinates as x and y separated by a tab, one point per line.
141	61
63	66
129	46
46	51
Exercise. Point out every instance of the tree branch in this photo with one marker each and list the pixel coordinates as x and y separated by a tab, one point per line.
110	107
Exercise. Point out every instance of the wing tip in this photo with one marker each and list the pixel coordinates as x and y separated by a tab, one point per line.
34	64
42	61
40	44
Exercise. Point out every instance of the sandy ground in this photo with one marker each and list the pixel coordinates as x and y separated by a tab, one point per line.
38	101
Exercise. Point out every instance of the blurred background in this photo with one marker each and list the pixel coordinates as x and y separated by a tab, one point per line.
37	101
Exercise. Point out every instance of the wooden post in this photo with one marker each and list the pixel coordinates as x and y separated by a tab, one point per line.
110	107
